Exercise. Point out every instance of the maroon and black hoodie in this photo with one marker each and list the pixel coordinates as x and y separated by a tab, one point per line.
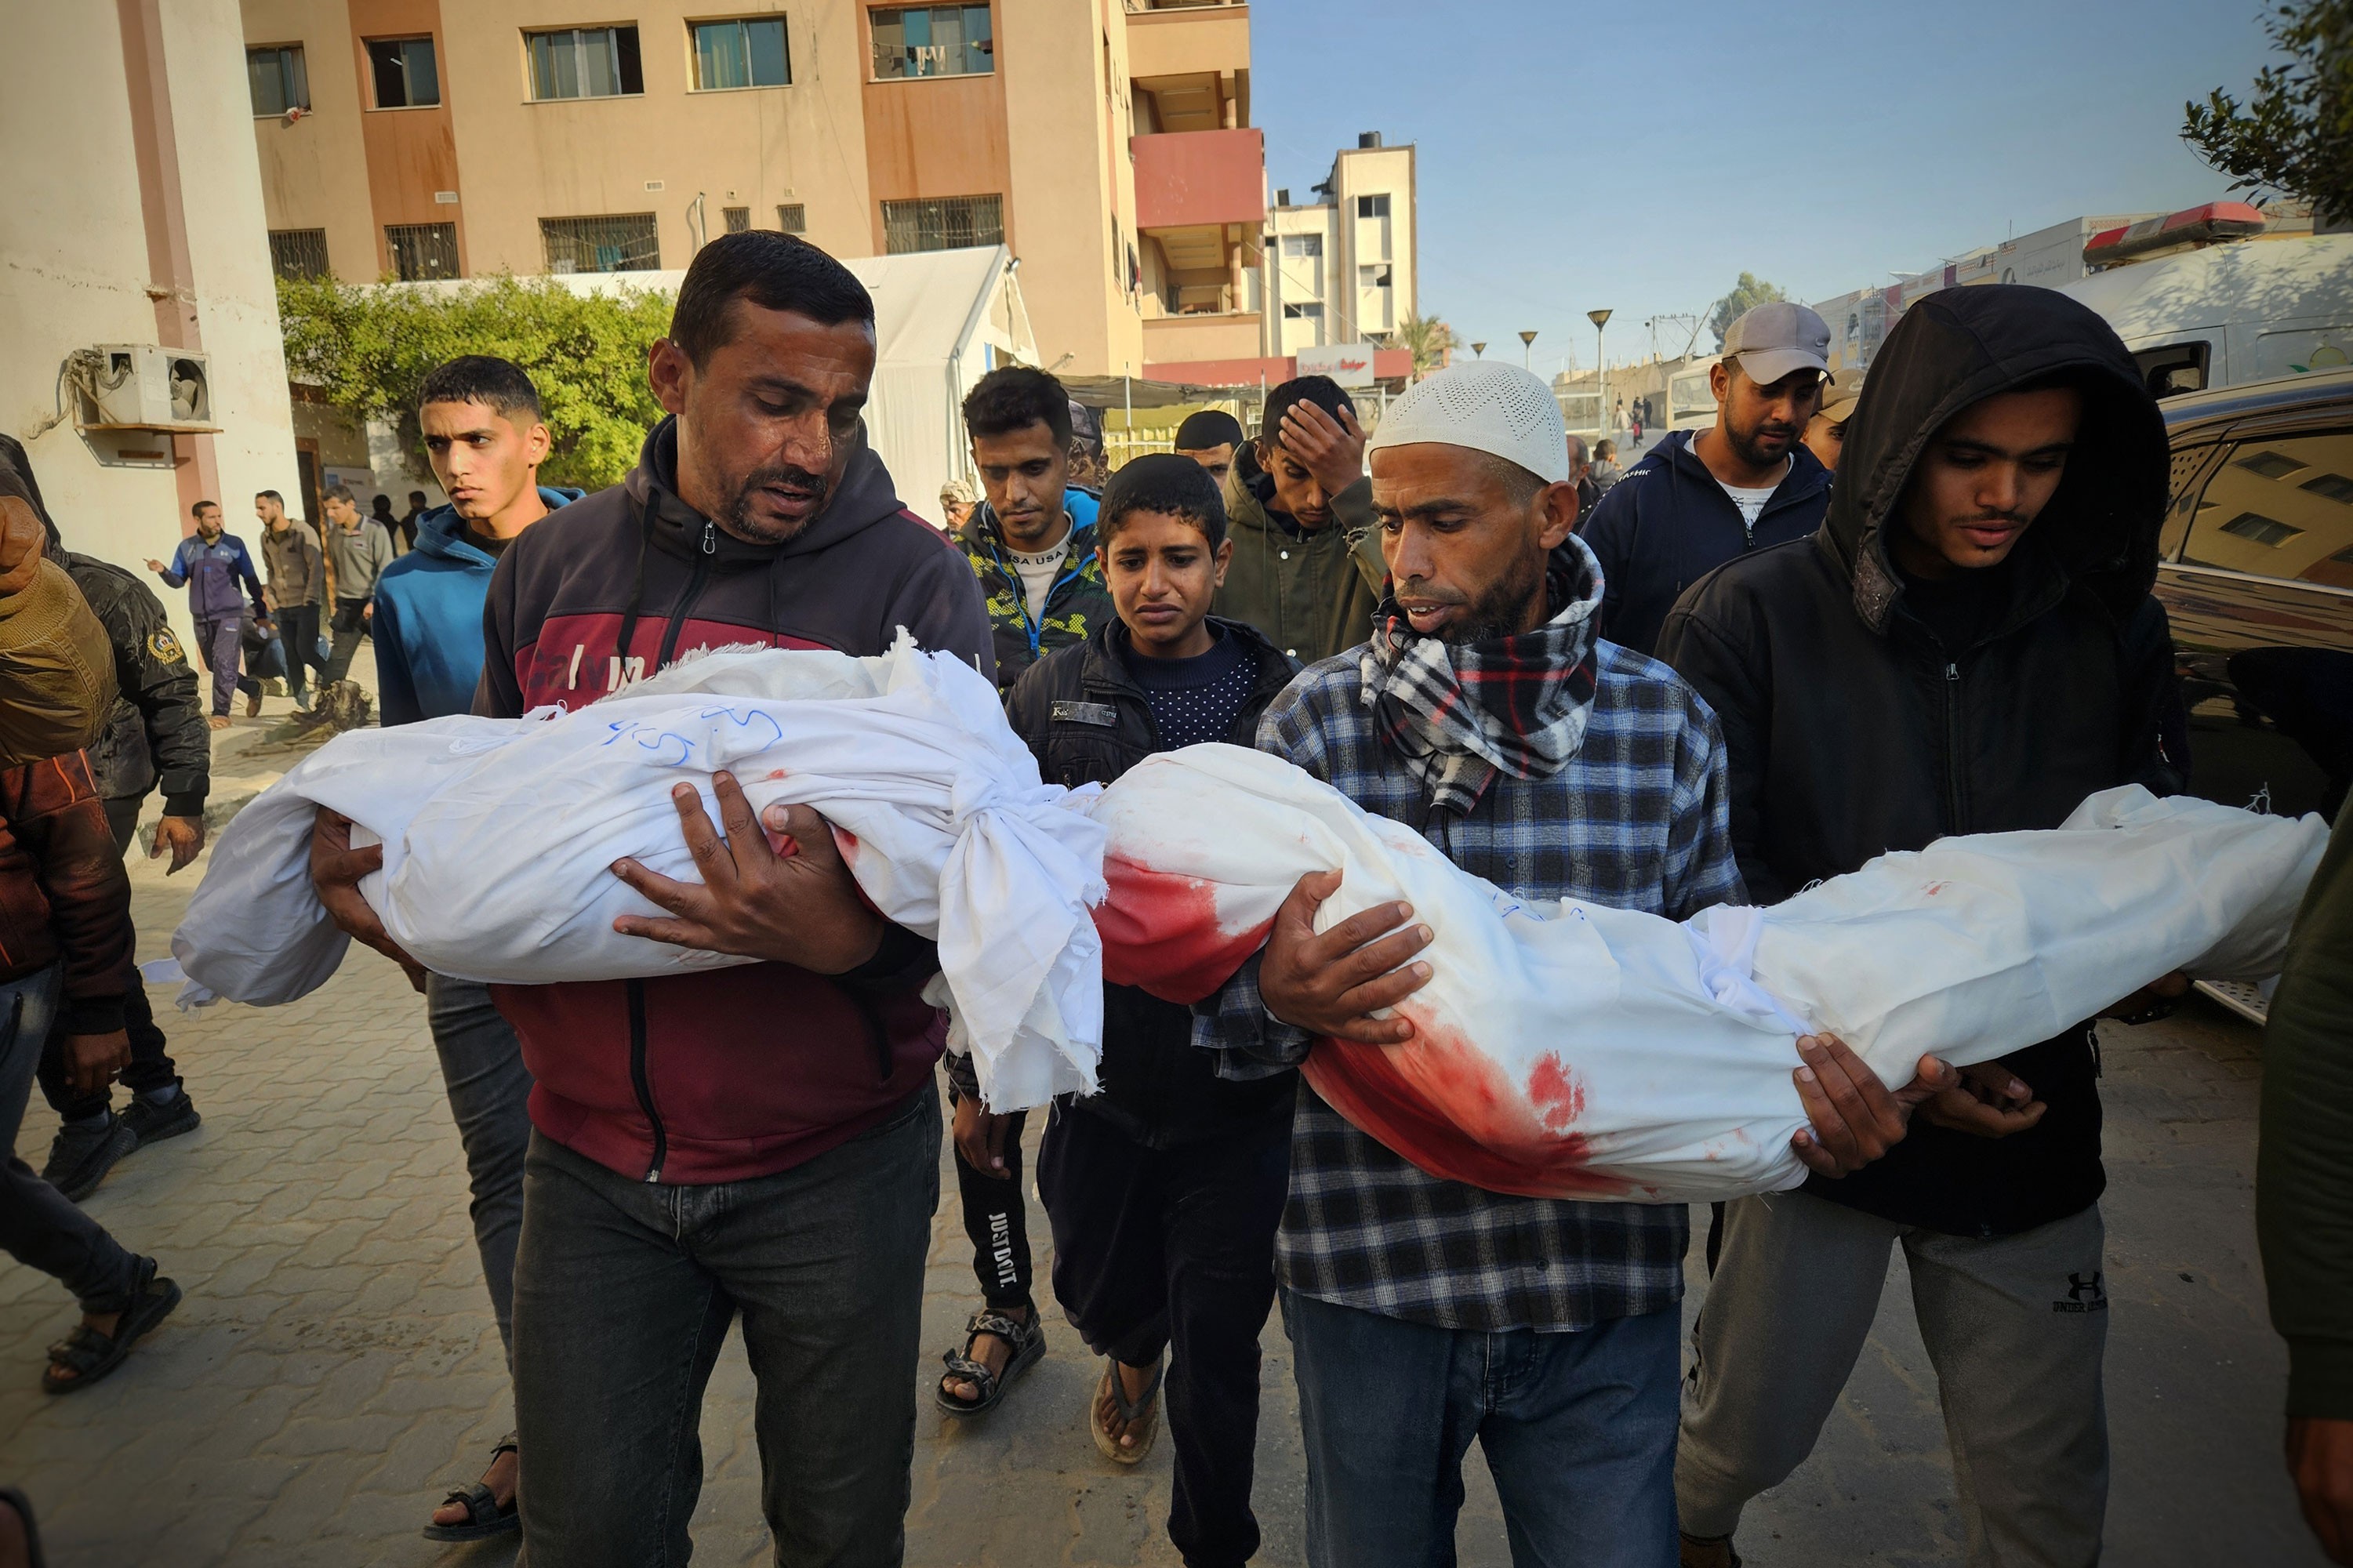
743	1072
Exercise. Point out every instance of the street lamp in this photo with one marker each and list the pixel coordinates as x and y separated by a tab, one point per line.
1527	348
1478	351
1601	320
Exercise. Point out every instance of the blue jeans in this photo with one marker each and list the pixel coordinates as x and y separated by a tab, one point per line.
490	1100
624	1290
1578	1430
39	1226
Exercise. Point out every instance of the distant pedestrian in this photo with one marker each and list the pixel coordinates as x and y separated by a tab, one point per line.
1211	438
358	550
156	736
212	563
1745	482
1307	560
1605	471
1635	431
410	519
957	498
296	586
66	944
1826	432
1164	1188
486	439
1580	474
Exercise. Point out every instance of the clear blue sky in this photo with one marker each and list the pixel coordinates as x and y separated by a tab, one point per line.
1640	157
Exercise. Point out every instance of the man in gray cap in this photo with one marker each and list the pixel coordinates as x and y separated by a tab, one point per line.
1697	502
1488	715
1826	435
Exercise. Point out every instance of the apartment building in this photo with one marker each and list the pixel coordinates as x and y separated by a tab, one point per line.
1107	143
1342	271
140	357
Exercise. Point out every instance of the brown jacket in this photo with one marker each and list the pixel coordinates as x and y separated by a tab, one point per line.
63	891
296	572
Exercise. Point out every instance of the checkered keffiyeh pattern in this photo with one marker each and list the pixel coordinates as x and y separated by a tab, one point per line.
1636	817
1461	713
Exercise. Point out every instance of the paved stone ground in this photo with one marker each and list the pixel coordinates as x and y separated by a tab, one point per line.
334	1365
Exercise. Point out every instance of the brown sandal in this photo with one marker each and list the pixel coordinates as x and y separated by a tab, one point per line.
1140	1415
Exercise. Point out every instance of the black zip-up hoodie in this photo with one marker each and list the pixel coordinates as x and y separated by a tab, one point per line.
730	1073
1853	728
1668	523
1082	712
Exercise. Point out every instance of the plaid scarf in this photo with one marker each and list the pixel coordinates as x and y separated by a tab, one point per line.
1462	712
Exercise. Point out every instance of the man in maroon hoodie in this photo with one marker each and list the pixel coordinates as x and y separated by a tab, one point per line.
761	1140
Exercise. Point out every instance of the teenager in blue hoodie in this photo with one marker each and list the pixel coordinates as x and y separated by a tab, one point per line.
484	433
486	439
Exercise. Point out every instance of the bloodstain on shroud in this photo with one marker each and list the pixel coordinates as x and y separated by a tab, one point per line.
1160	932
1444	1104
1436	1101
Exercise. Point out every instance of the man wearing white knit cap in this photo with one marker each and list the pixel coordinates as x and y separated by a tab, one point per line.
1486	714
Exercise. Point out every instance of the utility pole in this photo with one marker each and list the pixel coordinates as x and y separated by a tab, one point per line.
1527	350
1601	320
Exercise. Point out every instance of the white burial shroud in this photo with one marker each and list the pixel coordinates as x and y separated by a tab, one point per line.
1563	1050
500	835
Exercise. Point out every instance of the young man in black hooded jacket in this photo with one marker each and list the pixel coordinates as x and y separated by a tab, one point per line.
1968	644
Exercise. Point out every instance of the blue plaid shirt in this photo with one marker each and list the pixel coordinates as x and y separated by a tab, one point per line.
1636	820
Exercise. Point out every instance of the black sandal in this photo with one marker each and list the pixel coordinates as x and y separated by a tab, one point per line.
484	1517
89	1356
14	1500
1028	1343
1140	1415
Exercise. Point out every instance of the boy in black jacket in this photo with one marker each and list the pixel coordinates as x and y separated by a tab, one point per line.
1164	1190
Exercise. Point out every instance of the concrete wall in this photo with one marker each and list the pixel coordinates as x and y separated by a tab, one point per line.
76	262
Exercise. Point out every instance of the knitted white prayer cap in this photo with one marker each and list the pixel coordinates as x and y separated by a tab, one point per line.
1488	406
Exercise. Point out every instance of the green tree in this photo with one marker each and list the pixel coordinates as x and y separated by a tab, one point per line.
1748	293
1430	339
369	349
2295	134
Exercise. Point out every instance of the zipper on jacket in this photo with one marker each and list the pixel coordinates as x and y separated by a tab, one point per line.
641	1079
709	537
1953	823
694	583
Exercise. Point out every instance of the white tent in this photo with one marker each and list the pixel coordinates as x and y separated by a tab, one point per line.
943	319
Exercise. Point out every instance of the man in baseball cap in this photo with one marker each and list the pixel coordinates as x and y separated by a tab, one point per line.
1698	500
1826	433
1487	714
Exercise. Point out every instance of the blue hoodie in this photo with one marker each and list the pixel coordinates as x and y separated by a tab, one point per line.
1668	523
428	618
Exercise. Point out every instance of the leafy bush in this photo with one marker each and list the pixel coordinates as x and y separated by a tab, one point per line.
368	350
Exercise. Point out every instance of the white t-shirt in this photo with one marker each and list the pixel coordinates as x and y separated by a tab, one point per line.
1751	502
1037	572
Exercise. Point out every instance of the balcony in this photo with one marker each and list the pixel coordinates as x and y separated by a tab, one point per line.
1169	41
1225	335
1195	179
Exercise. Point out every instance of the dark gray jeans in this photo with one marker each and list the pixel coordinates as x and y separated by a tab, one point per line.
38	1228
624	1290
490	1100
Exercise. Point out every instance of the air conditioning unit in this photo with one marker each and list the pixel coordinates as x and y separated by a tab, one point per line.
148	386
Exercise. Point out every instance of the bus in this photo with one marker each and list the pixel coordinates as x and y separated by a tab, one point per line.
1690	402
